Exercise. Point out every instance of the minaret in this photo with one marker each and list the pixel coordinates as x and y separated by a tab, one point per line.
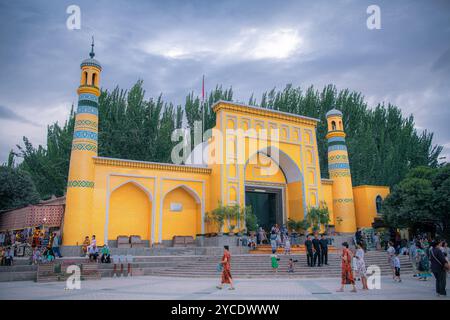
339	171
80	184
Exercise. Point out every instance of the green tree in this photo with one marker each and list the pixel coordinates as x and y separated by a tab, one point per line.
421	200
17	188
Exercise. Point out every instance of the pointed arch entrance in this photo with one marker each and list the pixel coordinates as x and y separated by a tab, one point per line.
274	187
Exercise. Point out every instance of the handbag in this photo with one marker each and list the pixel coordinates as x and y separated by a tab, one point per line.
219	267
444	266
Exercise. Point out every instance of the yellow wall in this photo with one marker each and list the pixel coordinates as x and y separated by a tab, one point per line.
180	223
365	205
327	188
129	212
154	180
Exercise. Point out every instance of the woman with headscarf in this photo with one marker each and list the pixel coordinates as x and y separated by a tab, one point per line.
346	267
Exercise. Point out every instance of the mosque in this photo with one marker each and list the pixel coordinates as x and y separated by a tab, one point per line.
110	197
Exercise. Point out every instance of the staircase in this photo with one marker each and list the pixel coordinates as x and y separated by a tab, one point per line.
204	266
295	249
250	266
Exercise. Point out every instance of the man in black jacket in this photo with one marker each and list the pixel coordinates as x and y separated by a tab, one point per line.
317	251
309	251
439	267
324	249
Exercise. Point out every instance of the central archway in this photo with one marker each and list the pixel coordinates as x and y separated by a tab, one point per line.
279	195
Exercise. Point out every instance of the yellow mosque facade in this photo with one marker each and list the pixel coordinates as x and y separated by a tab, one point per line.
275	169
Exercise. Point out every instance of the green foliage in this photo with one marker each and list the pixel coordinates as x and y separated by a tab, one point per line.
421	199
16	188
217	216
318	216
49	166
299	226
251	220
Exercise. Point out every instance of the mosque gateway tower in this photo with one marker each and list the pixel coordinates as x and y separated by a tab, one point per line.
110	197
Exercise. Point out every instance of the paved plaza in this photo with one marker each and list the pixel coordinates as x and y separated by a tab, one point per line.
150	287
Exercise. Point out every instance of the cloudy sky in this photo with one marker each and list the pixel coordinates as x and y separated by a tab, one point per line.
252	45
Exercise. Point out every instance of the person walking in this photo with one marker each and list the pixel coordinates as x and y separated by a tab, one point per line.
423	263
324	249
412	256
309	251
317	252
226	269
361	266
376	241
287	246
391	253
346	268
439	267
274	261
397	267
55	245
273	240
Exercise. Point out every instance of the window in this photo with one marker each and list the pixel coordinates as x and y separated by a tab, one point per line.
85	77
94	75
378	201
333	125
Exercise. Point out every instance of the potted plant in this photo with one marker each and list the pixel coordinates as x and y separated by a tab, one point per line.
231	230
318	216
217	216
251	220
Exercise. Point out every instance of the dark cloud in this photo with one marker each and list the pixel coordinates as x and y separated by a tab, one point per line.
7	114
252	45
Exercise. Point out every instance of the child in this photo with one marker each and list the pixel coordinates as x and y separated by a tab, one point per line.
287	246
291	265
37	258
9	256
274	259
397	268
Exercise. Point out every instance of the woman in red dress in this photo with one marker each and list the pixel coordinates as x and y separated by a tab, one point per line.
347	275
226	269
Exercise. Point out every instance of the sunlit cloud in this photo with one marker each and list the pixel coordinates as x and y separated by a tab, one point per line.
248	44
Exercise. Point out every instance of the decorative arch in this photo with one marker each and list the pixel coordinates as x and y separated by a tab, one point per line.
378	202
293	176
290	170
188	189
85	78
129	211
185	224
137	184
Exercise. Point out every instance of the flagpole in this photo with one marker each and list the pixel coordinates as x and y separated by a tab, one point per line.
203	106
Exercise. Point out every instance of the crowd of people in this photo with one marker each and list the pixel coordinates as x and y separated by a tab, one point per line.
40	244
428	257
